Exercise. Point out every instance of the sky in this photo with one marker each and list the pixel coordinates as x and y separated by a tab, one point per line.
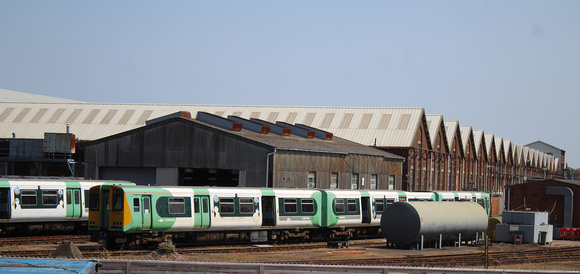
511	68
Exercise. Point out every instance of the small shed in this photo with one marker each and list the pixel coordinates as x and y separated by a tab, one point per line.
557	197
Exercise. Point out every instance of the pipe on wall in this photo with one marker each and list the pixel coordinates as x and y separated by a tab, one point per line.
568	201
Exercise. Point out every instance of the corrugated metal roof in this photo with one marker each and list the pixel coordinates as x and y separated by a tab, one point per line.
384	127
451	128
434	126
16	96
498	142
507	150
478	140
466	133
489	144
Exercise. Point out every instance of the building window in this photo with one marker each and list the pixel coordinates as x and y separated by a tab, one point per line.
354	181
391	182
311	179
373	181
333	180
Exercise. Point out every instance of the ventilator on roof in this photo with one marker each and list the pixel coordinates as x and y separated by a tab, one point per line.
320	134
184	114
251	125
276	129
297	130
218	121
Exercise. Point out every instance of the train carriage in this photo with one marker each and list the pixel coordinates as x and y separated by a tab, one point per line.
43	205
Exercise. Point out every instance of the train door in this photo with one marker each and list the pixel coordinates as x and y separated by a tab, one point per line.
4	203
201	211
366	210
146	212
73	203
268	211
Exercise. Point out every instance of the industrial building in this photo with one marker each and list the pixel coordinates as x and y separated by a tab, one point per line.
557	197
435	159
214	151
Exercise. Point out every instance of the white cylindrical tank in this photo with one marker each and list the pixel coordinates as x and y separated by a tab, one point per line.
403	223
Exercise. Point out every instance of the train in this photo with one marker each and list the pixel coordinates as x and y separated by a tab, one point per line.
135	216
44	206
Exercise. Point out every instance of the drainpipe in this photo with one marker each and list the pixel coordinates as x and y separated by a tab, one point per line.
268	167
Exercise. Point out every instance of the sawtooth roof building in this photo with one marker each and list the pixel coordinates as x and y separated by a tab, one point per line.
439	154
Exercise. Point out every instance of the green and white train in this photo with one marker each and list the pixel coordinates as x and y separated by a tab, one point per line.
34	206
138	215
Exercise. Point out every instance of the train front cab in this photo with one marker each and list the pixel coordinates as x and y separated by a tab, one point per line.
98	204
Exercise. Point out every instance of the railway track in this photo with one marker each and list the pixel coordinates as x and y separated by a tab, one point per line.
36	240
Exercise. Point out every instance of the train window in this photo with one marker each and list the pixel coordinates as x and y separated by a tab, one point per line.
94	199
69	197
196	205
28	197
480	202
351	205
290	206
205	205
136	206
307	205
246	205
339	205
117	200
380	205
49	197
390	201
227	205
176	205
77	197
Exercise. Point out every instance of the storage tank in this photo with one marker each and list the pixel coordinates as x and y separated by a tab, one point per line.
403	223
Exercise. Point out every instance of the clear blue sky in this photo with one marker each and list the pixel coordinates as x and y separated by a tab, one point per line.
511	68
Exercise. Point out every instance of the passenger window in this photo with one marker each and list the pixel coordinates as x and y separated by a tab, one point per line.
390	201
339	205
290	206
136	206
77	197
69	197
351	205
205	205
227	205
307	205
176	205
196	205
246	205
118	200
28	197
94	199
380	205
49	197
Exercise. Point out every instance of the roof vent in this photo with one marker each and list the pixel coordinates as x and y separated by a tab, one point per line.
251	125
320	134
297	130
218	121
184	114
276	129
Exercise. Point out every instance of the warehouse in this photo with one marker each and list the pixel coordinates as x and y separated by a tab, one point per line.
214	151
